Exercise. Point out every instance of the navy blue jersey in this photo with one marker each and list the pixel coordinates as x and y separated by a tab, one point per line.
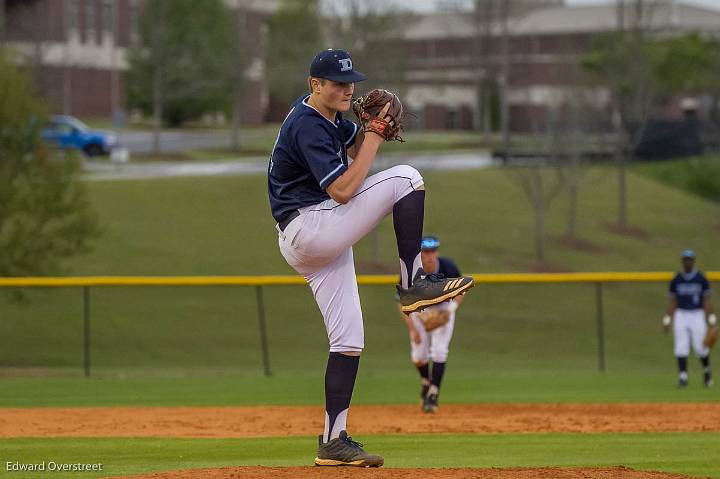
689	289
309	154
448	268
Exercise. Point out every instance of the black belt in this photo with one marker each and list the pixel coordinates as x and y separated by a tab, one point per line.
286	221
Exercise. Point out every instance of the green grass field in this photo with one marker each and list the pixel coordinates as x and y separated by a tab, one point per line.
373	387
513	343
681	453
207	226
698	175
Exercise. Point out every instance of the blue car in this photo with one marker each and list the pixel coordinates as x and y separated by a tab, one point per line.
66	131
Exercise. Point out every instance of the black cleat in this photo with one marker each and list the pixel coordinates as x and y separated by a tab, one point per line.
430	404
343	451
429	289
682	383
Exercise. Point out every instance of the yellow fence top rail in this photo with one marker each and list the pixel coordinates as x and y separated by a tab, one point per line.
386	279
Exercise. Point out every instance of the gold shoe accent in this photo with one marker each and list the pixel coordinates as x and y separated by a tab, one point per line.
424	303
358	463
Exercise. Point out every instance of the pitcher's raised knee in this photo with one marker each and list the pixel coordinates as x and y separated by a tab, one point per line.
410	173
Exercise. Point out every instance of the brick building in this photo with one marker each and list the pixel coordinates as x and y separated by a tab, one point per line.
77	51
546	44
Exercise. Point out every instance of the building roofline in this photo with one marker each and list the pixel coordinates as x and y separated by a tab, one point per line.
667	14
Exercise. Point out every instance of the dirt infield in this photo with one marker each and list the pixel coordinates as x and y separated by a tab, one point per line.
274	421
269	421
388	473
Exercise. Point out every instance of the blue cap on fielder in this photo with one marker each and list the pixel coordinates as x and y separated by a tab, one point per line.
335	65
688	253
429	243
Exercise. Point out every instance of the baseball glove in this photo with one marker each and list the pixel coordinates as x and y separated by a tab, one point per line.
369	110
711	337
433	318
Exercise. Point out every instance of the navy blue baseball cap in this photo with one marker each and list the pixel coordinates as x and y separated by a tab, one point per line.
688	253
429	243
335	65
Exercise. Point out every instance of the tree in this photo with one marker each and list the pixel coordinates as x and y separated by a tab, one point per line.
490	51
690	65
540	189
504	76
183	65
624	61
563	168
2	23
239	64
484	17
365	27
687	64
24	20
491	56
641	72
577	120
294	37
541	179
45	215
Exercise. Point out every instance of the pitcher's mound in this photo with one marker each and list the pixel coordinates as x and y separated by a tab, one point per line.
259	472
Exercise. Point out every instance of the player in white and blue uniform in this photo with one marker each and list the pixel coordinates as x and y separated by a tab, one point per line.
432	347
323	204
690	312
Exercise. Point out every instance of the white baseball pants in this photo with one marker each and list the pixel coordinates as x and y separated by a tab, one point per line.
435	344
318	245
689	328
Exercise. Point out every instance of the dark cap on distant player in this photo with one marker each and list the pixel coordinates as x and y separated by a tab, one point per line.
335	65
688	253
429	243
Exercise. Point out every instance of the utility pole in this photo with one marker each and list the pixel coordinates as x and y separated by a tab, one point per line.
114	74
619	121
70	21
159	35
505	78
238	74
2	22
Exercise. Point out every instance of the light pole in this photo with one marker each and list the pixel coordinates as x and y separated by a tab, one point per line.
2	22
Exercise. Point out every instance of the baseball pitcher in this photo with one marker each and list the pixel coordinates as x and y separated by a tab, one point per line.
323	204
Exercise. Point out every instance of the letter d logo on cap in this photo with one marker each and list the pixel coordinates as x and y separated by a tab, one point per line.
345	64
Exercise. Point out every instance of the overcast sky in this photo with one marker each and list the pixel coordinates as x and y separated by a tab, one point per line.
430	4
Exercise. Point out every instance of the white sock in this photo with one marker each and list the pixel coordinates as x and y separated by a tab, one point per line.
339	425
405	278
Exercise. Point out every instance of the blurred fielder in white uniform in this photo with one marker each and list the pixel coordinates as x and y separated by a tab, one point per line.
431	330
